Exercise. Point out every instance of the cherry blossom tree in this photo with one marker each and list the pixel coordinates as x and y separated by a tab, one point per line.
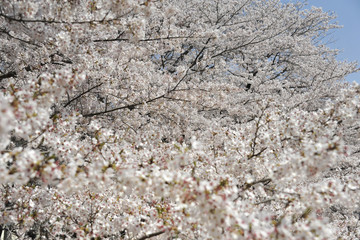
141	119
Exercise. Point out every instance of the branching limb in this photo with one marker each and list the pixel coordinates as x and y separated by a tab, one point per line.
16	38
82	94
118	39
130	107
54	21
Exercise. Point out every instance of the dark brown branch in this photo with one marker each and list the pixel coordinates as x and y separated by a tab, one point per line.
265	181
19	39
234	13
177	99
53	21
279	191
111	40
145	40
130	107
246	186
191	65
355	152
82	94
253	41
265	201
63	60
8	75
256	135
151	235
257	154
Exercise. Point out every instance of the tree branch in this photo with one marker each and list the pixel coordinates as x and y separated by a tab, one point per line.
146	40
53	21
151	235
130	107
8	75
191	65
82	94
19	39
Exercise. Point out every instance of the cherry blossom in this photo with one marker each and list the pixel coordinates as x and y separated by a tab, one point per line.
175	120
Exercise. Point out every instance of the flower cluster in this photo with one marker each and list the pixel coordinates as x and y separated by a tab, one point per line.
186	119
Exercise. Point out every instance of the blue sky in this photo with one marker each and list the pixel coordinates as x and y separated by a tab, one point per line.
346	39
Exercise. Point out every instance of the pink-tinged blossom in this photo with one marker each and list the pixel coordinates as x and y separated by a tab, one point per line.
6	121
175	120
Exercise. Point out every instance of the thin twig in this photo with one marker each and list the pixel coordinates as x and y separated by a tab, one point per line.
53	21
19	39
82	94
151	235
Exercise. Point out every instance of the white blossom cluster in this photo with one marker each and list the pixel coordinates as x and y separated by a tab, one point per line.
186	119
